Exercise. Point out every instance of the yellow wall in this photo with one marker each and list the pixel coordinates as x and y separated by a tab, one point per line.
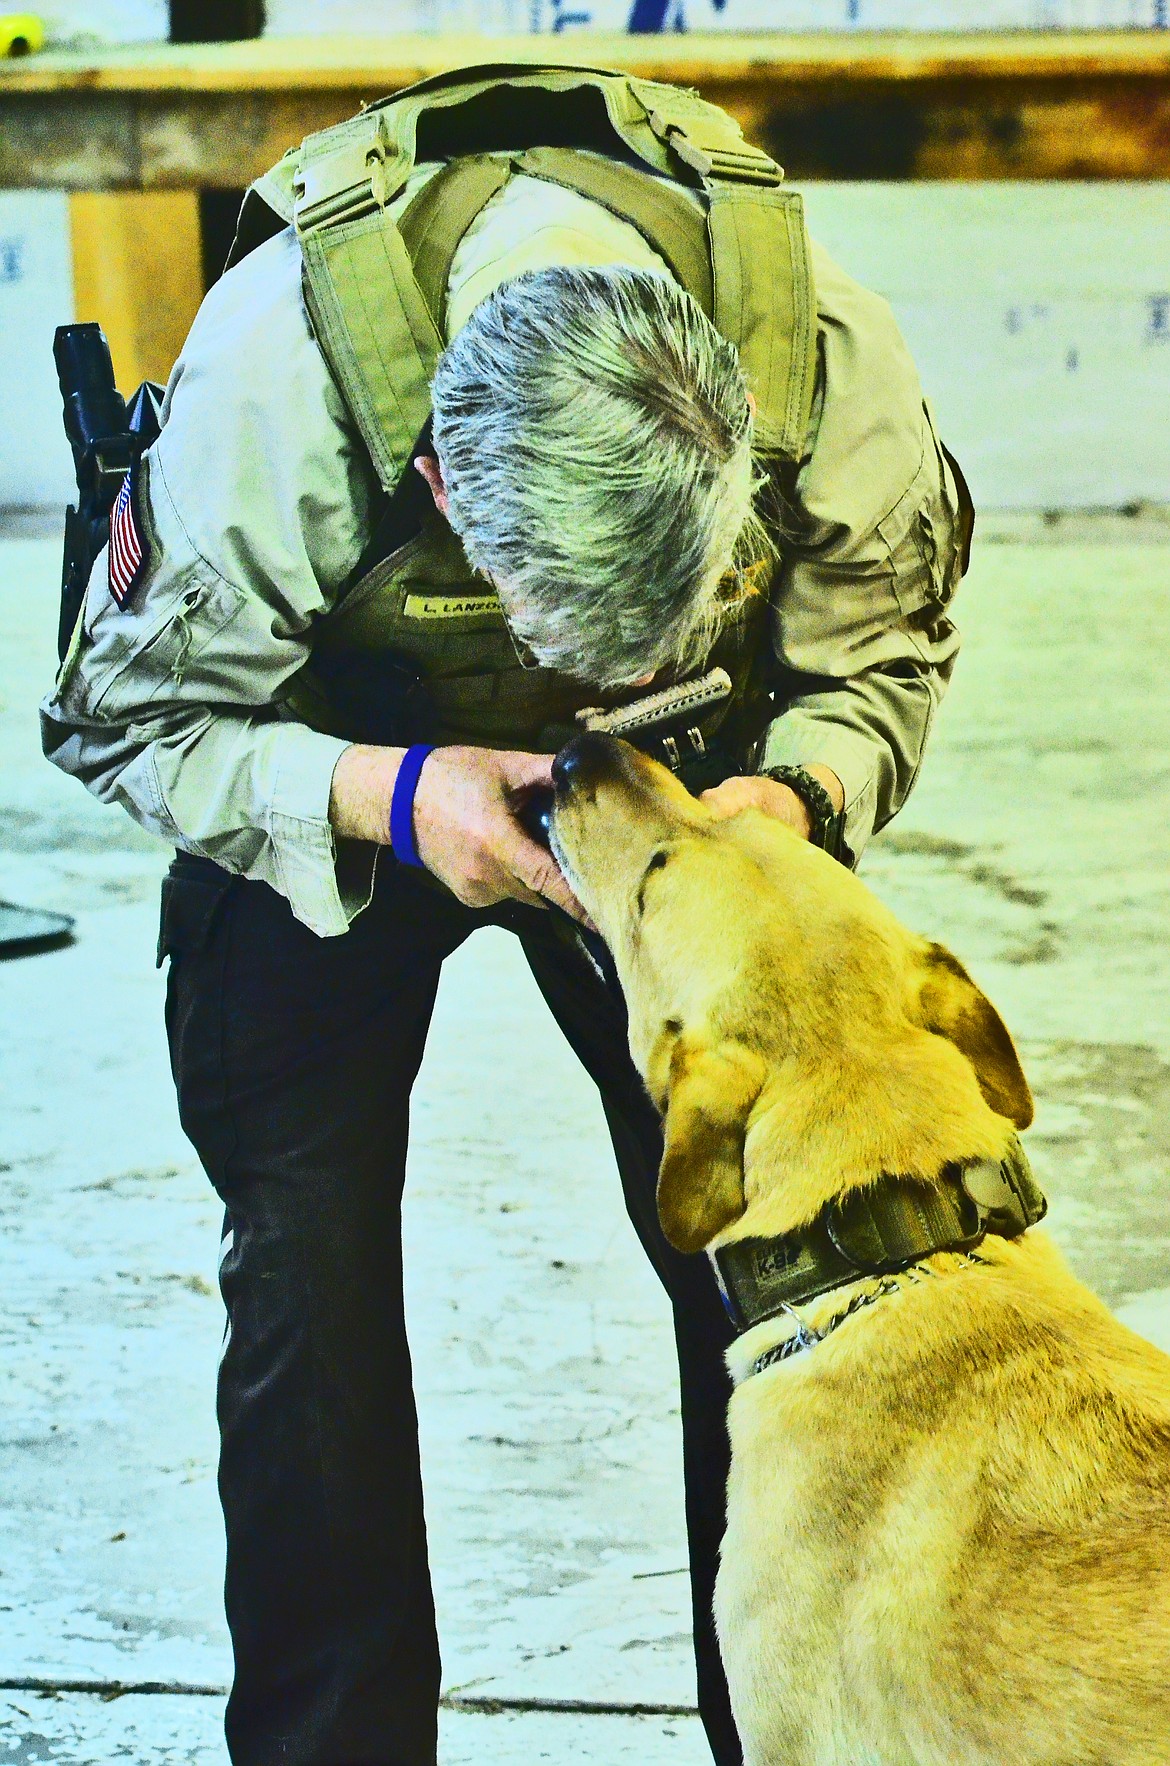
137	270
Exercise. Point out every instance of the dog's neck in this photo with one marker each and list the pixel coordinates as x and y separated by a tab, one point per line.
836	1183
800	1330
816	1136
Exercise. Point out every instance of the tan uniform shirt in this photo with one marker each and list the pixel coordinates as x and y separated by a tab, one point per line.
256	502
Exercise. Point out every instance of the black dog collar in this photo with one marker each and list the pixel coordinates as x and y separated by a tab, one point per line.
876	1231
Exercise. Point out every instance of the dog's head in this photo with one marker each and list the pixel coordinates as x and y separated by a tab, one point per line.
798	1040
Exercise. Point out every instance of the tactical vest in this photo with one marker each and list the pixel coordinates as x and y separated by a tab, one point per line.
417	646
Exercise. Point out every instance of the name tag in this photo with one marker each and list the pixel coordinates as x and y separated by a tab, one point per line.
450	606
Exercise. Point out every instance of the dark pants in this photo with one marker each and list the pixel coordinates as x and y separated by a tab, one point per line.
294	1057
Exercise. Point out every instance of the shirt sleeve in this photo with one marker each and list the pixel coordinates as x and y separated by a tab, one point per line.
253	506
872	549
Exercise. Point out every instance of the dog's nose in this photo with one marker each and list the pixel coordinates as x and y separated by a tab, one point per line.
565	766
581	761
535	814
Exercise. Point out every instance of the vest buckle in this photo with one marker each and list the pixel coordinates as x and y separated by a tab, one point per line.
353	181
746	168
713	152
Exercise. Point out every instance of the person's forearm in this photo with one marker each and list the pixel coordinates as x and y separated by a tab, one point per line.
359	798
870	731
463	814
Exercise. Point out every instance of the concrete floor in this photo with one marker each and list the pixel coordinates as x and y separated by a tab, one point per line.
1037	845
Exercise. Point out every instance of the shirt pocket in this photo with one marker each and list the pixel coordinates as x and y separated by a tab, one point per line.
927	532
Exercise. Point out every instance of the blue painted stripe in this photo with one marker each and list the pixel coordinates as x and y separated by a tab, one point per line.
648	15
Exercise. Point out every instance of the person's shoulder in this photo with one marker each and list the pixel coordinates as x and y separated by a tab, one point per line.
257	456
841	296
259	293
252	347
870	438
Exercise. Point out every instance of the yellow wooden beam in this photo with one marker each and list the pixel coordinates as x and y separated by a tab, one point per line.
386	62
137	270
838	105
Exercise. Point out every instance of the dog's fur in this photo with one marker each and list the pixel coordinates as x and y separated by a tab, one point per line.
948	1538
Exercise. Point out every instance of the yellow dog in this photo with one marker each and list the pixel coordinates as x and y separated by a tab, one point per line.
948	1535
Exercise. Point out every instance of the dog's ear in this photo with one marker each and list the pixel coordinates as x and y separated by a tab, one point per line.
950	1004
709	1097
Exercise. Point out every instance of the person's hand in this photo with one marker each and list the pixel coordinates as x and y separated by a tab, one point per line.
467	834
775	799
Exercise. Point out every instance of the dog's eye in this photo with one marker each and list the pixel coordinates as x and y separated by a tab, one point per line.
657	860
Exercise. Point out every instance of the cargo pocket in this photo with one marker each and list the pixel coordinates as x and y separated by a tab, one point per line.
193	891
162	646
927	533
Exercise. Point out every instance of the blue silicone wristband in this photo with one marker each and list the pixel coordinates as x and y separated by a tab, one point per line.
402	804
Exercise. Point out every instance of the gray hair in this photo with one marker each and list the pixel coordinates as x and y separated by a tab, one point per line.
594	432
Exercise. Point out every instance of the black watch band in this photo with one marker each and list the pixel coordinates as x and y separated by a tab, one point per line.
828	822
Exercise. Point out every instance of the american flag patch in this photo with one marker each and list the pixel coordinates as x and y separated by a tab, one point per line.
127	553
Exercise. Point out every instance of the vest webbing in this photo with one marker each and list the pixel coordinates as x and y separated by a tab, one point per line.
440	215
435	222
741	250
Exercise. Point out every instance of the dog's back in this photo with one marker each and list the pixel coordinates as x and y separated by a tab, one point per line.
949	1532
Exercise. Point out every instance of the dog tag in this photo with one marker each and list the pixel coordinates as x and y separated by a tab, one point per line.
987	1187
1002	1209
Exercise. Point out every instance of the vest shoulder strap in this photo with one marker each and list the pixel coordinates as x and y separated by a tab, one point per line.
376	332
670	219
746	262
765	303
438	217
376	290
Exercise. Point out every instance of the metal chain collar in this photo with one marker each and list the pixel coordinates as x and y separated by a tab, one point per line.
804	1337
